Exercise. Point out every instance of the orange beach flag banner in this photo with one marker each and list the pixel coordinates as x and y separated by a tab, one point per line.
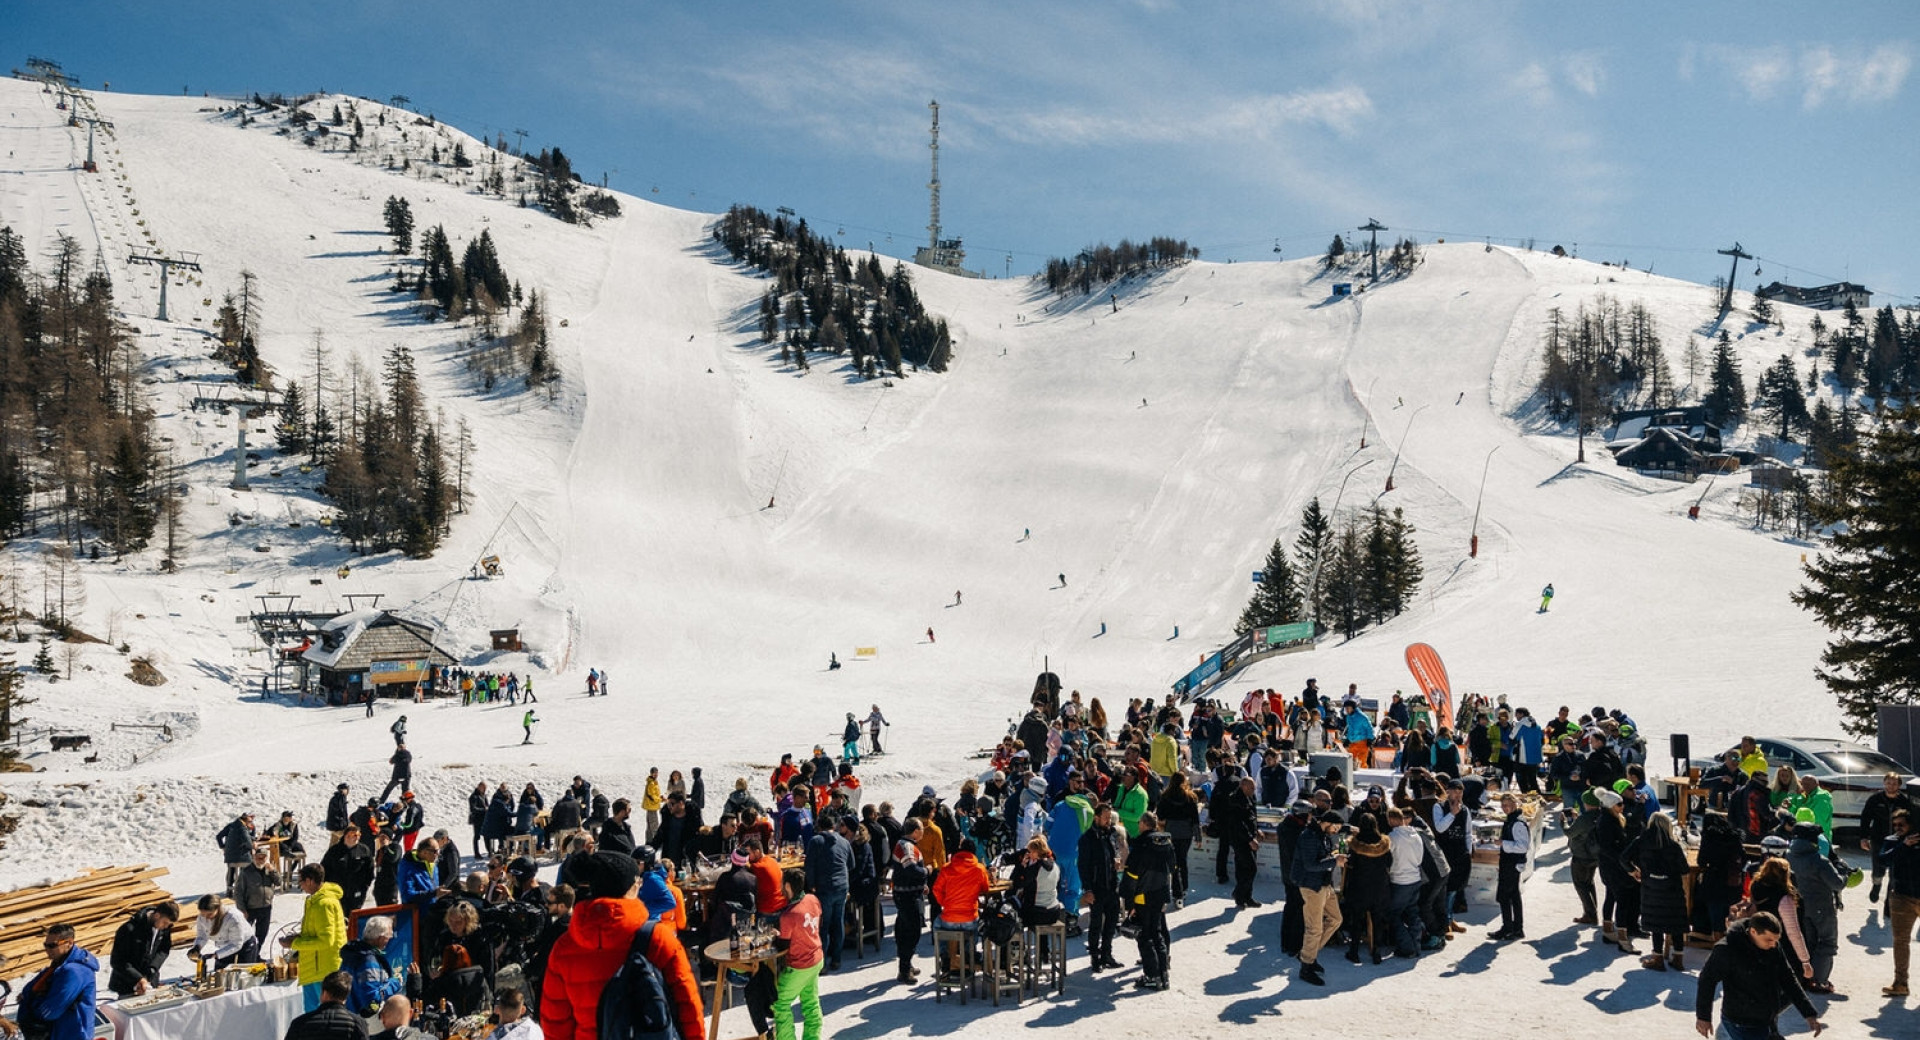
1431	676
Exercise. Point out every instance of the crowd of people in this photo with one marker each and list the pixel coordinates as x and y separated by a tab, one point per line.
1080	811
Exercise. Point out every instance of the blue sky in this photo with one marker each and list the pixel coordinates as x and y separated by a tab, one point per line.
1651	133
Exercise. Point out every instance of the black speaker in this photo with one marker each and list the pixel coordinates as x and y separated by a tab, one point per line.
1677	743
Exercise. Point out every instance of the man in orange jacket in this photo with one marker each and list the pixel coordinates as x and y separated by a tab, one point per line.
595	946
958	889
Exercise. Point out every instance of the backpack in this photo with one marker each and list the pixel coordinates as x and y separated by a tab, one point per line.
635	1005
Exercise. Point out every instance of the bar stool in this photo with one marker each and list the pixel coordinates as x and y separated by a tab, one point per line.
869	924
956	962
1006	967
290	864
1047	957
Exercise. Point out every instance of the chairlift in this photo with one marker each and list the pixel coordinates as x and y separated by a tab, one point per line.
842	232
1276	246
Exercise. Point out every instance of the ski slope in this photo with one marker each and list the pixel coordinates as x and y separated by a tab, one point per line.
707	525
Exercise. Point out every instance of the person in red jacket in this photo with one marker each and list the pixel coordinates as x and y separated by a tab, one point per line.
769	900
959	887
595	946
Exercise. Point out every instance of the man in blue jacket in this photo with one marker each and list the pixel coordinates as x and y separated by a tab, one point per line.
59	1000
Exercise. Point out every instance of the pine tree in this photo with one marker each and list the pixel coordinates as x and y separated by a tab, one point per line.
1343	579
1726	398
43	660
1310	548
12	699
1866	586
399	216
291	432
1780	400
1335	250
127	514
1276	600
769	317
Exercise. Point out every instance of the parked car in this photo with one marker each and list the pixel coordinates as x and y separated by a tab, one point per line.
1850	772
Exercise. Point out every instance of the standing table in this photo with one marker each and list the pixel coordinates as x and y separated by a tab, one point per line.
721	954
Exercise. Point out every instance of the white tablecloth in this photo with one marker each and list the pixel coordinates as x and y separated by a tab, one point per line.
261	1013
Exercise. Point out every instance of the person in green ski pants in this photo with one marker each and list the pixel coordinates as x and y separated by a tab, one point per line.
800	974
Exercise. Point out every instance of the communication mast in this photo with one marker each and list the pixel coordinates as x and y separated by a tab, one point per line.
941	254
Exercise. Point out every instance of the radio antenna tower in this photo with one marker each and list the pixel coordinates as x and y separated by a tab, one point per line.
933	220
945	255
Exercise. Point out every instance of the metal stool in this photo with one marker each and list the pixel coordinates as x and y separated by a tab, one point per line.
1047	957
290	864
956	962
1006	967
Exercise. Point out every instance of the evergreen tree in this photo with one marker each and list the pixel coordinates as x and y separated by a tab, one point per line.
1335	252
1310	549
43	659
399	215
1780	399
1762	310
1726	398
291	432
1343	579
12	699
1276	600
769	317
1866	586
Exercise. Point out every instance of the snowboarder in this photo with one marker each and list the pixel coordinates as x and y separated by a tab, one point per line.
1546	597
929	633
398	729
833	661
526	723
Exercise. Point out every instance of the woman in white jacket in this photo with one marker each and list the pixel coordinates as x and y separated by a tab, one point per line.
222	935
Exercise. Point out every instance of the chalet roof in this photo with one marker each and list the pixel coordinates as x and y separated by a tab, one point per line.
354	640
1660	443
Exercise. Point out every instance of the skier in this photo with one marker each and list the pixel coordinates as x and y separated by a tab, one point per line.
1546	597
398	729
369	704
604	681
1103	628
593	681
850	741
875	720
1026	533
531	699
833	661
1063	581
956	597
526	723
929	633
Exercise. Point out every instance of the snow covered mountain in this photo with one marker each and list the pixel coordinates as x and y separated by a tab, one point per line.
1148	448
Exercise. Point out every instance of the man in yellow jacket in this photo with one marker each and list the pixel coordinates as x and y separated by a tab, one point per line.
323	930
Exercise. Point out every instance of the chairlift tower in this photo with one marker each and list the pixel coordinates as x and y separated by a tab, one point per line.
215	395
1738	254
188	261
91	121
1373	228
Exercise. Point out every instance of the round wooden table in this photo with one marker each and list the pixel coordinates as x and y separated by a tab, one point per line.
721	954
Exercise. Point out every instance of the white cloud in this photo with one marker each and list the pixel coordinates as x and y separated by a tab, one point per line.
1586	72
1340	111
1534	83
1820	73
1881	75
